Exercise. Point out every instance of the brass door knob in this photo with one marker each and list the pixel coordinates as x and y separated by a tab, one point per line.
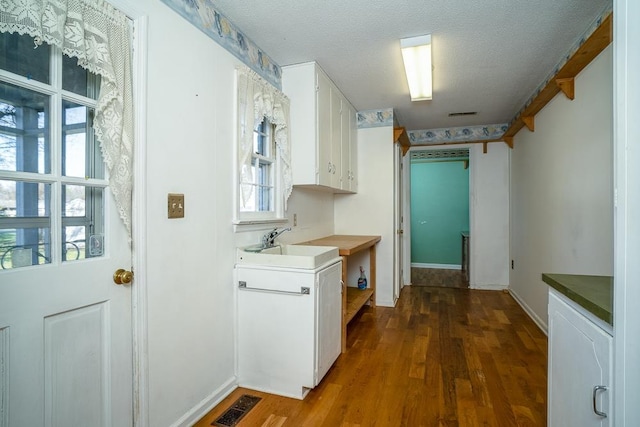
122	276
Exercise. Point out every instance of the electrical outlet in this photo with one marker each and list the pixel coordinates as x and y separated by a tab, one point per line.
175	205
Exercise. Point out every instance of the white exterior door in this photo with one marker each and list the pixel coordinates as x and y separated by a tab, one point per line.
65	341
65	327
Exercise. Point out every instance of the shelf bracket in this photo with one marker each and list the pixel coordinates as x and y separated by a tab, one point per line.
567	87
529	122
400	136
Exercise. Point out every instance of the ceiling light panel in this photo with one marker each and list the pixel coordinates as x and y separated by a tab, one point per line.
416	54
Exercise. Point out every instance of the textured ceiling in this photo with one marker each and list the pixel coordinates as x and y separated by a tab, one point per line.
488	55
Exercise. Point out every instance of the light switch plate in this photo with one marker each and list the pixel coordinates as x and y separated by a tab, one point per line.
175	207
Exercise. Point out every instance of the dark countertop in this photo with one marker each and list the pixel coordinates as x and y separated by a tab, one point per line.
594	293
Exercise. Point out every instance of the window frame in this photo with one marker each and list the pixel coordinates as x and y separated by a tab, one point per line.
256	99
55	131
275	215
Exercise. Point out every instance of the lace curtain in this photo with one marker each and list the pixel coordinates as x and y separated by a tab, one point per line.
99	36
258	99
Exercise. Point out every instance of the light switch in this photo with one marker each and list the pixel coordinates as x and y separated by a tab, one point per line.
175	208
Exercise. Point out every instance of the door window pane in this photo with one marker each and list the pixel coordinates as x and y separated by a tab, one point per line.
80	150
24	136
82	222
28	147
25	224
78	80
20	56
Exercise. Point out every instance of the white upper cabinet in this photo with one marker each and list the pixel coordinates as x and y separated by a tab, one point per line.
323	130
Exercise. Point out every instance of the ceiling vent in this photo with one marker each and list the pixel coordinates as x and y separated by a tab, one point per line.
465	113
440	154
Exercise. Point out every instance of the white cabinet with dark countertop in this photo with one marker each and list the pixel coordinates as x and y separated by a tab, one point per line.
580	351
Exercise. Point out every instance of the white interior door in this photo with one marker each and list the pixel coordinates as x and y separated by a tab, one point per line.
398	244
65	327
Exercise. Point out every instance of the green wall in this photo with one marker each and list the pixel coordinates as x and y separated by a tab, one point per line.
439	211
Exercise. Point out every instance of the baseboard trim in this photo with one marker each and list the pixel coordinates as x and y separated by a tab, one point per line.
437	266
488	287
536	319
208	403
386	303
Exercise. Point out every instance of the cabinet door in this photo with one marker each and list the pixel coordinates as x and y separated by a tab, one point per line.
323	144
336	138
329	319
276	337
353	151
345	170
579	359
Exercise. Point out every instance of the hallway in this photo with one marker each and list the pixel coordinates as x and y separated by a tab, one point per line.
442	357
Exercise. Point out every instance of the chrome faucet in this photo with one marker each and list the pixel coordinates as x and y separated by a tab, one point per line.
269	238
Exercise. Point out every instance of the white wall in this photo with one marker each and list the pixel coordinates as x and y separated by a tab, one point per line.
626	384
489	216
315	215
561	189
190	261
190	146
370	211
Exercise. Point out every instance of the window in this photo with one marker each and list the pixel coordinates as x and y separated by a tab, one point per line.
264	185
264	172
52	176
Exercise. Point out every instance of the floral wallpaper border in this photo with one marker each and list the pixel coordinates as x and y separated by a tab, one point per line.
204	16
386	117
375	118
457	134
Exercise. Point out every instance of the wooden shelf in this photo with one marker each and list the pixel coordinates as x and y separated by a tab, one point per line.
353	298
564	78
346	244
356	299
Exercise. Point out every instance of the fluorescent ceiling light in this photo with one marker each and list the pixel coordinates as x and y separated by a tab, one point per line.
416	54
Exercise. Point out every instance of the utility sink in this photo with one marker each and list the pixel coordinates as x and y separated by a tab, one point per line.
287	256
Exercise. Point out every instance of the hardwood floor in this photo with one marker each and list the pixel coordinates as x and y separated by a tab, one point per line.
442	357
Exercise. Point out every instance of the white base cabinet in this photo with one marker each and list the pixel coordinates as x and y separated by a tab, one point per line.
579	376
289	327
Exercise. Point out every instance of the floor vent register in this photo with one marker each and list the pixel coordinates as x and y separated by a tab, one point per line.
239	409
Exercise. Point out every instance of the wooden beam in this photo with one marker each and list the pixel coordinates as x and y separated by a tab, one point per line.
508	140
400	136
529	122
596	43
567	86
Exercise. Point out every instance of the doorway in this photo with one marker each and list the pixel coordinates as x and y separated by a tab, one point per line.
439	209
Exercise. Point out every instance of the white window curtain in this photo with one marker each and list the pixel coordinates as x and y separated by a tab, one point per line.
258	99
99	36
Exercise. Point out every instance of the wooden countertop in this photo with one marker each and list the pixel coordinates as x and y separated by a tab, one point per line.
346	244
594	293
